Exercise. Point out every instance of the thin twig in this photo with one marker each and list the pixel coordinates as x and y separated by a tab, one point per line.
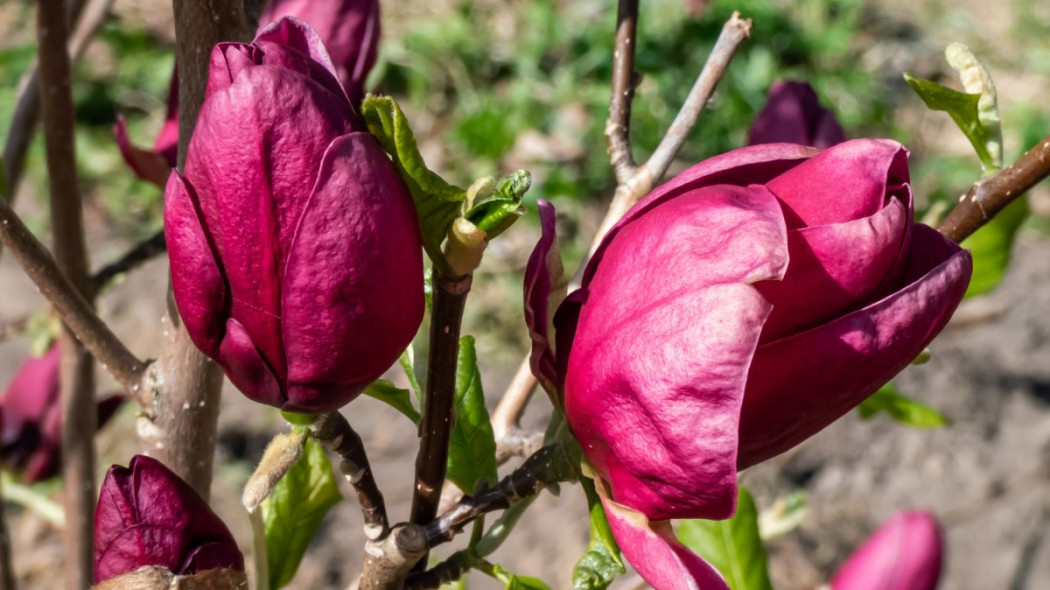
7	568
990	195
75	311
67	221
88	15
624	80
334	432
547	467
450	297
181	410
14	328
517	443
633	182
138	254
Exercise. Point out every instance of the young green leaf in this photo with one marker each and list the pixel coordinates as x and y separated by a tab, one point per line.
976	80
472	447
294	510
962	107
733	546
993	245
901	408
395	397
437	202
600	565
513	582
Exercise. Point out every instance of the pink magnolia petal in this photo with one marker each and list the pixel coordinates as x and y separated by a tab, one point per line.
269	129
656	405
291	33
342	310
147	164
350	29
146	515
542	273
246	368
800	384
656	554
751	165
793	114
227	61
906	553
848	181
32	391
834	269
663	345
167	143
196	280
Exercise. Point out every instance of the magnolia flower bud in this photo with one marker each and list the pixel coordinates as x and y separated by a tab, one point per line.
906	553
147	516
296	259
793	114
734	312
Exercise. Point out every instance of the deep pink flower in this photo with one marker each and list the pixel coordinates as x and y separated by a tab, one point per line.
793	114
349	30
31	437
906	553
146	515
736	311
295	252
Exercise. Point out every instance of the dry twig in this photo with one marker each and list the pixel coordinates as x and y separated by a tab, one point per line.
990	195
633	182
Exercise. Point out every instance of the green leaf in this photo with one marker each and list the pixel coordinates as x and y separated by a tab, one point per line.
472	446
294	510
962	108
407	362
733	546
437	202
513	582
600	565
901	408
498	205
395	397
993	245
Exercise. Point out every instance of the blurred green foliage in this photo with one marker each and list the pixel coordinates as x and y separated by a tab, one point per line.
127	71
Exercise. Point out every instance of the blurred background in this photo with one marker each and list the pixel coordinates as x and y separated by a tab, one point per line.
495	85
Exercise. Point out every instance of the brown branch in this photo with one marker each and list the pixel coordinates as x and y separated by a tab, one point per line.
7	568
389	560
735	31
624	80
67	221
334	432
507	415
450	297
517	443
181	406
633	182
546	467
88	15
990	195
71	306
139	254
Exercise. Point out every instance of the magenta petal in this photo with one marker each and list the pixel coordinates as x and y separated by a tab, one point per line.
349	28
32	391
245	367
664	341
295	34
146	515
750	165
793	114
800	384
268	130
906	553
656	554
147	164
539	281
196	280
834	269
849	181
347	316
